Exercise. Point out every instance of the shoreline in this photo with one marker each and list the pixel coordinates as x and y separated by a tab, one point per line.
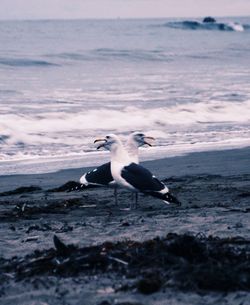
44	165
223	162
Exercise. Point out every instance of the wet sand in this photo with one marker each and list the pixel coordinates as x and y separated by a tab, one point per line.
214	188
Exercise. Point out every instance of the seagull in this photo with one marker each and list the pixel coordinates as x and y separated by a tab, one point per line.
133	176
135	140
102	176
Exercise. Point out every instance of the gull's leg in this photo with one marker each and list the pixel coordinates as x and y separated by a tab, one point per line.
115	194
132	201
136	200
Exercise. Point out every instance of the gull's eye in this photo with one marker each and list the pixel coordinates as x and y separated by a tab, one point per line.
107	137
140	134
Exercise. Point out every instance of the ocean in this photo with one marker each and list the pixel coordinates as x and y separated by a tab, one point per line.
64	83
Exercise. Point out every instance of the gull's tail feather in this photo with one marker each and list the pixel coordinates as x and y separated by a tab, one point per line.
83	180
167	197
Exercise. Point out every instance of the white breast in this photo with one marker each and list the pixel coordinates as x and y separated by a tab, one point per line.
116	169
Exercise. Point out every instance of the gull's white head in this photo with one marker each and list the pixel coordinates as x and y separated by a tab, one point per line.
110	142
141	139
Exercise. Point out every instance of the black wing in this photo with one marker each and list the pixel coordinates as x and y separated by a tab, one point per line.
100	175
141	178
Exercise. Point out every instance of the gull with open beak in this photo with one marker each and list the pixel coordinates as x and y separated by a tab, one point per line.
102	175
133	176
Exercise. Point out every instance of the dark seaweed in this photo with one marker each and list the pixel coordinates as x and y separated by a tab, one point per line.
21	190
186	262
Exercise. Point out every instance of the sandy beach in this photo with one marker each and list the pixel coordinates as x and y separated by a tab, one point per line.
97	260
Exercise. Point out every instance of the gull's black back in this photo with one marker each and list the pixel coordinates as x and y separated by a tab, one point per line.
101	175
141	178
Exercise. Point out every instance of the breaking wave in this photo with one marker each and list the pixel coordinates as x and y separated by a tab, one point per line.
25	62
73	133
104	54
212	25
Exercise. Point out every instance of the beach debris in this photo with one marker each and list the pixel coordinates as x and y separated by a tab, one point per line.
125	224
105	302
88	206
23	207
42	227
71	186
118	260
244	195
53	206
67	187
187	262
31	238
12	228
106	290
60	246
149	284
116	302
65	228
21	190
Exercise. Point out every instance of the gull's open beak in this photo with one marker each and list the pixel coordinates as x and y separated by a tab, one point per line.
102	144
148	140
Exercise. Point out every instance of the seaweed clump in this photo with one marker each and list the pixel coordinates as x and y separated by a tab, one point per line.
185	262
